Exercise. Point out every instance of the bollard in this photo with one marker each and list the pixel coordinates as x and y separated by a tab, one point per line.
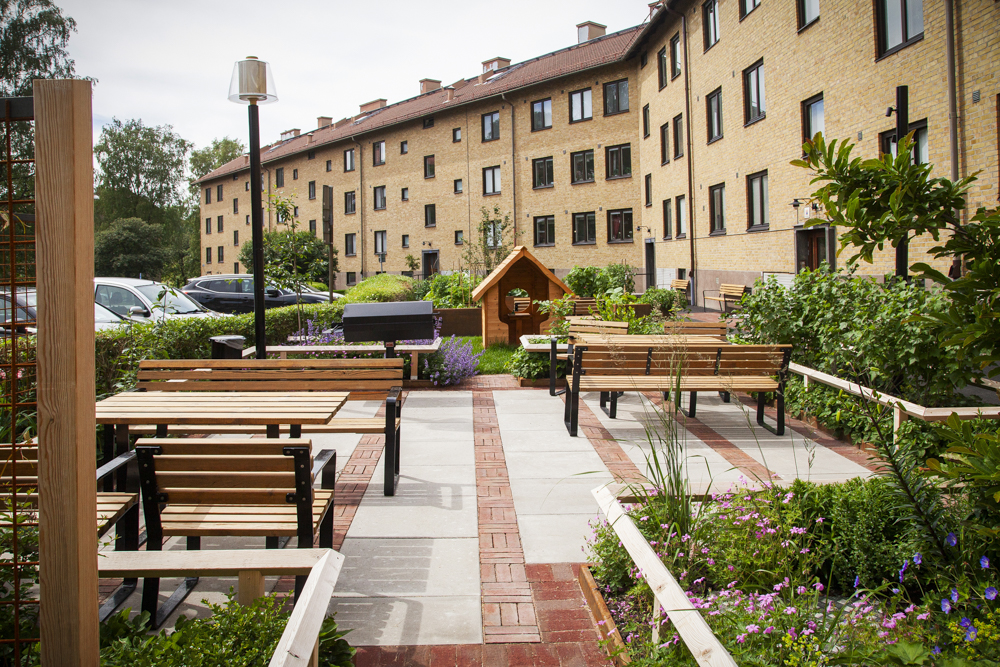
227	347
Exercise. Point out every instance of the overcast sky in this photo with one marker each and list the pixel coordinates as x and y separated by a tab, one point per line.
170	61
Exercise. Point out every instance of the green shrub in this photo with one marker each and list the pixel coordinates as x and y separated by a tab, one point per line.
381	288
618	276
533	365
450	291
665	300
584	281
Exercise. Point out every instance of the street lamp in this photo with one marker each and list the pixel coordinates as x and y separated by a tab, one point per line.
252	84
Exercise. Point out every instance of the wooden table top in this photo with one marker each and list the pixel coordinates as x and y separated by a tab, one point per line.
220	407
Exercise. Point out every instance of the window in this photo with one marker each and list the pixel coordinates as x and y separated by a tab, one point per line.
236	237
236	206
312	189
218	224
678	136
665	143
747	6
218	193
380	198
312	226
887	141
311	155
247	184
459	237
494	234
661	67
458	186
404	147
580	106
757	200
279	177
219	256
236	267
541	115
428	166
645	121
208	195
491	180
491	126
681	216
675	56
456	135
349	203
352	278
295	212
808	12
642	59
754	101
248	218
620	226
380	243
405	194
542	171
428	122
713	104
406	240
208	225
378	153
295	174
545	230
710	22
208	255
618	161
616	97
584	229
349	248
349	159
717	208
667	212
430	215
583	166
329	167
899	23
649	189
812	117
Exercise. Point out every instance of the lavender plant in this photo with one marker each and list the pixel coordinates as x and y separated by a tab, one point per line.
454	362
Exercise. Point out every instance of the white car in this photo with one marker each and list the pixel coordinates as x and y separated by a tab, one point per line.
145	299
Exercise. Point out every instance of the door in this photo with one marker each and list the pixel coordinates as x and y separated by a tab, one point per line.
650	264
814	246
430	263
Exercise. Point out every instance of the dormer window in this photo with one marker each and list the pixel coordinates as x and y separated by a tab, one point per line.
494	64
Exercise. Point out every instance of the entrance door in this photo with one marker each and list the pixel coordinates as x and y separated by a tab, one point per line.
430	263
650	264
813	247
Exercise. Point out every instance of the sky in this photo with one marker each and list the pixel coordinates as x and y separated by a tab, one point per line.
169	62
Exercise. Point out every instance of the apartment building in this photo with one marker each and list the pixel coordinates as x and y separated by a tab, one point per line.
666	145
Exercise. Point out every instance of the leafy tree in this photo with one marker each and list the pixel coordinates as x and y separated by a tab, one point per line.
291	253
129	247
493	240
210	158
878	201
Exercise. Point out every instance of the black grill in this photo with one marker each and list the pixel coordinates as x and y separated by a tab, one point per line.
388	322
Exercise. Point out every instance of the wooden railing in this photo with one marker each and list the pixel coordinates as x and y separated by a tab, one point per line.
299	643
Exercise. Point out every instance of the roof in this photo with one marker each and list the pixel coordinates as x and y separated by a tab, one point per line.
577	58
520	252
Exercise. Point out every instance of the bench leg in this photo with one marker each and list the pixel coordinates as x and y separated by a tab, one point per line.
391	460
693	409
724	395
295	431
126	539
273	430
151	592
108	452
571	413
274	542
604	401
780	404
250	587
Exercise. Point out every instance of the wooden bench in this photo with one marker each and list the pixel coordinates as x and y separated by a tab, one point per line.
241	487
680	285
727	293
615	368
584	306
717	329
522	304
363	378
579	326
321	566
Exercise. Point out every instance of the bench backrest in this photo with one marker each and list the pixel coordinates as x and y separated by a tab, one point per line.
732	290
584	306
364	378
20	462
680	284
586	325
696	359
522	304
696	329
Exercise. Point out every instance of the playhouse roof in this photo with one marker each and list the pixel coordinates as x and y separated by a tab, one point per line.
517	253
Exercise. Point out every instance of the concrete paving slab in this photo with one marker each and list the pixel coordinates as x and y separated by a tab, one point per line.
430	415
556	495
515	421
409	621
430	452
409	567
555	538
438	399
432	430
535	465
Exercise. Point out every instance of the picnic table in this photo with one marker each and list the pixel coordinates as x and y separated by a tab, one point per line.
413	350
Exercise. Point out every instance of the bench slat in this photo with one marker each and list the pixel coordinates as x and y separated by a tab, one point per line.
271	363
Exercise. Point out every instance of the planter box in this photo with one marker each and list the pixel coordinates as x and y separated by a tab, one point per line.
460	321
542	382
608	632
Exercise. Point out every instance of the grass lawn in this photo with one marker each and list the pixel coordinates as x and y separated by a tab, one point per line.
495	359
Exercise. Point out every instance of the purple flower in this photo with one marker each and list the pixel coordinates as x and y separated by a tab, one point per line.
769	629
951	540
965	623
917	558
990	593
970	635
857	581
792	633
984	562
936	650
954	595
946	606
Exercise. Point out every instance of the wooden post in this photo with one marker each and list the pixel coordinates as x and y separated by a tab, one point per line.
898	417
67	488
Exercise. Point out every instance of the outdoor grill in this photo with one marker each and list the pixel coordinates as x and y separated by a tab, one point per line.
388	322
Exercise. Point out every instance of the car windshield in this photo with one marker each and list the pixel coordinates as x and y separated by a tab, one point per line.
172	300
102	314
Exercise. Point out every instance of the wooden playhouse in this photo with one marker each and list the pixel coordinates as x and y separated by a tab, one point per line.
507	318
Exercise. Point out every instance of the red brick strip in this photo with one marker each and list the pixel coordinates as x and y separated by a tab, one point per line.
508	610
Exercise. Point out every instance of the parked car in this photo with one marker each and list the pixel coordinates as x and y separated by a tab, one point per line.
233	293
107	319
27	314
145	299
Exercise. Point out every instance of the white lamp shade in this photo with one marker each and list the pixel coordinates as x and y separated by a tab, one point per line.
252	82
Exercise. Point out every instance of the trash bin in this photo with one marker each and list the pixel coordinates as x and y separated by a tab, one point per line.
227	347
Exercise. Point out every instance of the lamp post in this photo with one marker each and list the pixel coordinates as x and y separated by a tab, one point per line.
252	84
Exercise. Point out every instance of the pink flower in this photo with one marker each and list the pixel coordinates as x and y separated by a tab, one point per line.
791	610
800	590
923	617
753	628
711	561
818	586
769	629
741	638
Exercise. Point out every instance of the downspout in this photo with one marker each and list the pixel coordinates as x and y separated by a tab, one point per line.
693	277
360	162
513	166
949	19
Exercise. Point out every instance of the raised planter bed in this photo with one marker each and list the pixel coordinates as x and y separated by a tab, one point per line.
542	383
610	636
545	347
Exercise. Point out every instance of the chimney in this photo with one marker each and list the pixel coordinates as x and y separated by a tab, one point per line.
323	121
494	64
427	85
341	123
589	30
309	138
450	92
290	134
368	107
653	6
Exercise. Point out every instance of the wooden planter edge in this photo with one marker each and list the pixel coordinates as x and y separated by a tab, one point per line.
614	646
542	382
